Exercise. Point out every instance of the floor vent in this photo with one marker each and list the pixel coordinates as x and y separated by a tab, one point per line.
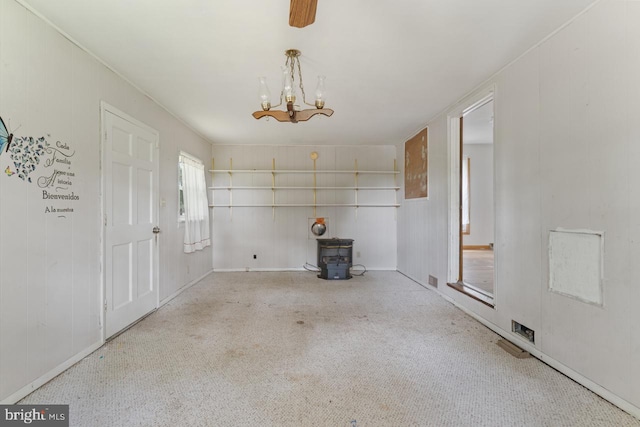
513	349
523	331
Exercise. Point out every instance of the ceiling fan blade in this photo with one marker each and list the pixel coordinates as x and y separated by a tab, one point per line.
302	13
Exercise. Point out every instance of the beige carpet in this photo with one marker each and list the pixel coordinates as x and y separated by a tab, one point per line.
288	349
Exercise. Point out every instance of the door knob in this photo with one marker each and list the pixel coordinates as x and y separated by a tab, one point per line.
156	230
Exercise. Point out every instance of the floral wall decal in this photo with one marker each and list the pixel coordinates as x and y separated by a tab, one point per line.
53	163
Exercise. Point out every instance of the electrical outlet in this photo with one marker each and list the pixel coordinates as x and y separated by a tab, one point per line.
255	256
357	254
433	281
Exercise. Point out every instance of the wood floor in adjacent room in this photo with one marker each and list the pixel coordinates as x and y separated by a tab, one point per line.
289	349
478	266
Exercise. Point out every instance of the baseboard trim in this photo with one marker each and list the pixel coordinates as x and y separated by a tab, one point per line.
254	270
419	282
184	288
32	386
268	270
579	378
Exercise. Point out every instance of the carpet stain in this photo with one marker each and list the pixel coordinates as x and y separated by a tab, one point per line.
306	380
233	354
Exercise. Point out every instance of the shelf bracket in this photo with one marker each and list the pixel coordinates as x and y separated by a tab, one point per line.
315	200
355	175
395	184
230	191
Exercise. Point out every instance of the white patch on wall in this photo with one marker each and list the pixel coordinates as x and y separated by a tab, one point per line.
575	264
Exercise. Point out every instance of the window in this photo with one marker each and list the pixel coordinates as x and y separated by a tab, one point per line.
180	192
466	183
193	203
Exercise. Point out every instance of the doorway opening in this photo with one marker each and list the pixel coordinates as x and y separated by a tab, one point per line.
472	256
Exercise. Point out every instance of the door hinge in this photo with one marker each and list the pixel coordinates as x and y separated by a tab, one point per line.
105	220
105	305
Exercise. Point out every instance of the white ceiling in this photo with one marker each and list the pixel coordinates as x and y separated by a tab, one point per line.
390	65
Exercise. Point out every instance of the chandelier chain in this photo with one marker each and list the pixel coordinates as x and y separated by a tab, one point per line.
304	98
292	62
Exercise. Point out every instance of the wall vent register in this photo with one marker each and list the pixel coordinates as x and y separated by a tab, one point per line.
523	331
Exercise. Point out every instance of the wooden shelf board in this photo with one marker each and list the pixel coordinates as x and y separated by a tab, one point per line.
309	205
300	188
299	171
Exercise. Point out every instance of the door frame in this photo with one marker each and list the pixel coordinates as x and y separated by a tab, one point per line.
104	109
454	151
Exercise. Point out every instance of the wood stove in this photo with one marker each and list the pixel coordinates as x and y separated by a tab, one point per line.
335	258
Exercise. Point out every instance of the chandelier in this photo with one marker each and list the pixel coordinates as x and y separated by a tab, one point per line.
293	113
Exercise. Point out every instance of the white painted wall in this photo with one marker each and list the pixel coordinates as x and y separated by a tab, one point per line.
566	154
480	194
282	242
50	280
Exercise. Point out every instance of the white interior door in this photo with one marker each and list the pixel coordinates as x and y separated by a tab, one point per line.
130	178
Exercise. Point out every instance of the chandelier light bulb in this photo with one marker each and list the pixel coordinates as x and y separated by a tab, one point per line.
265	94
321	92
288	87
